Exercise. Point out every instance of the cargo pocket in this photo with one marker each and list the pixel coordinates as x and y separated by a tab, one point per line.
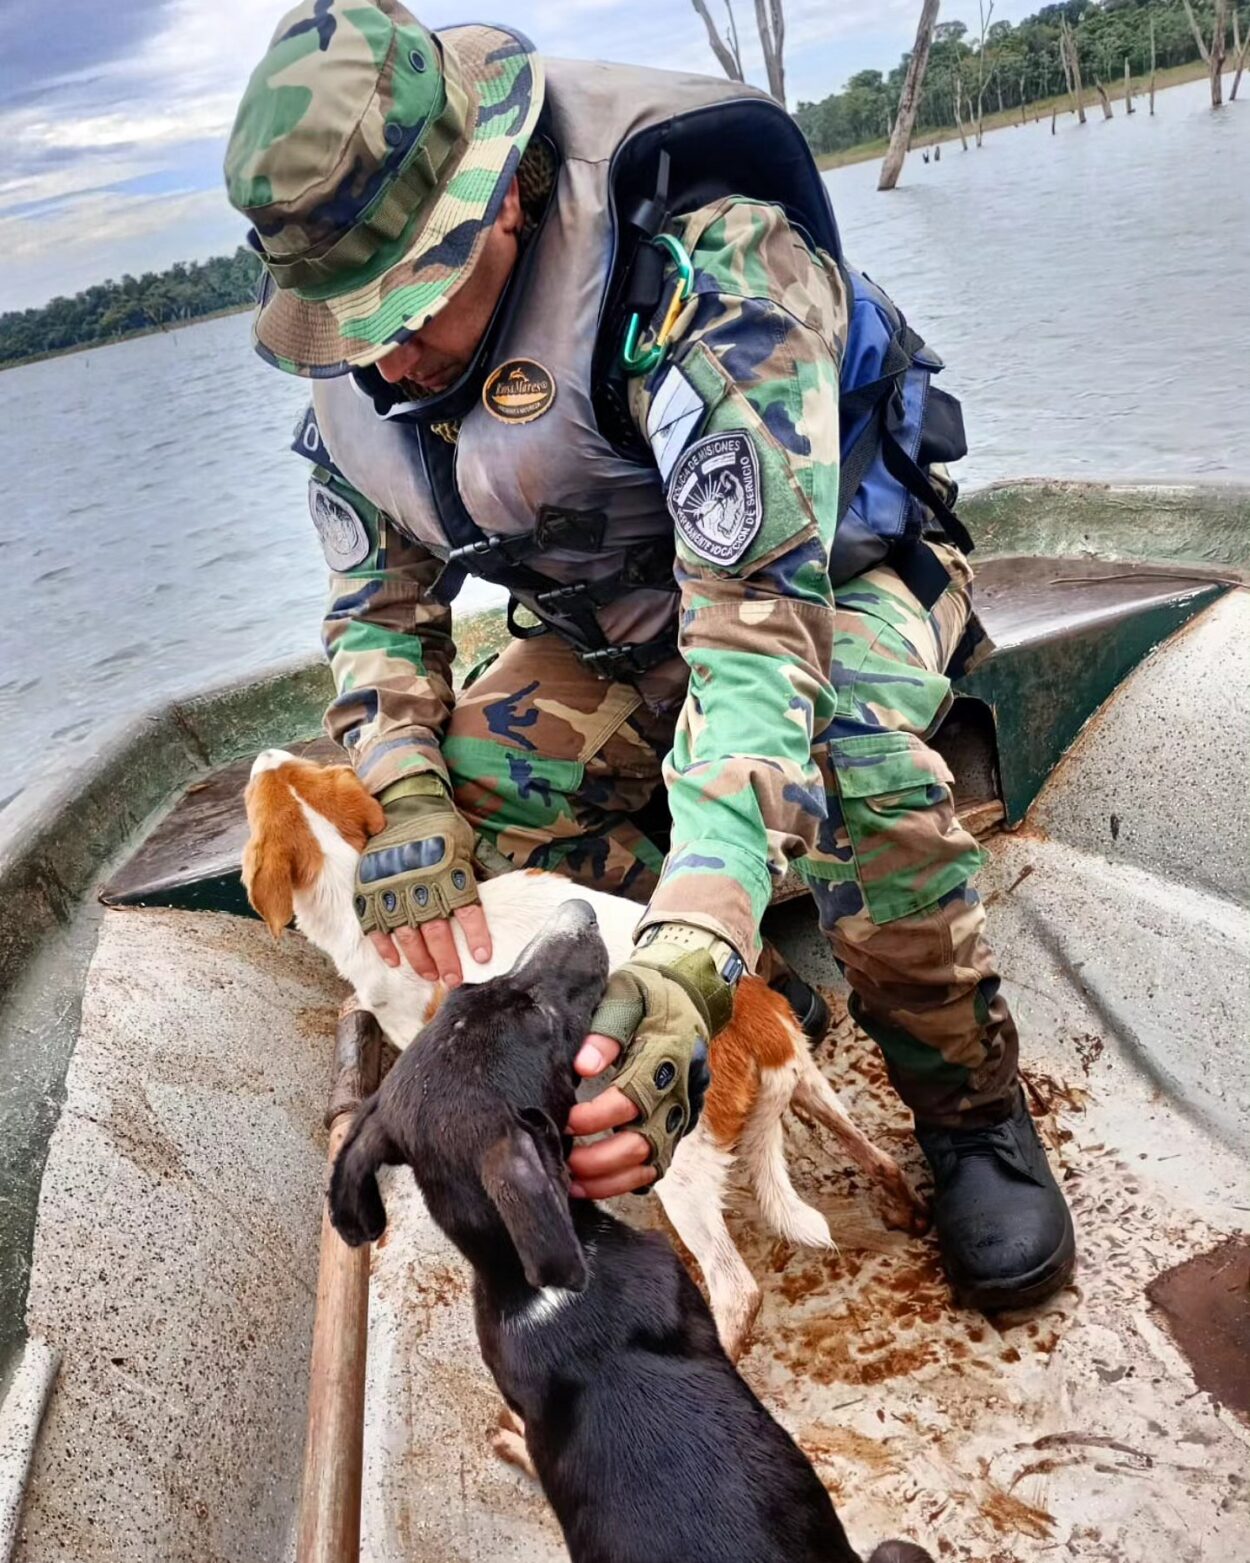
504	788
909	848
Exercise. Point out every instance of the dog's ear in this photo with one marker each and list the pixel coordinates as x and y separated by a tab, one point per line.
281	855
530	1196
356	1207
267	877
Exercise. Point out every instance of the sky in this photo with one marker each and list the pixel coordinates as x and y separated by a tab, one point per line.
114	117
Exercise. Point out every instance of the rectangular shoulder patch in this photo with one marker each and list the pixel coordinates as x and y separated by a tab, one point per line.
673	419
714	497
307	442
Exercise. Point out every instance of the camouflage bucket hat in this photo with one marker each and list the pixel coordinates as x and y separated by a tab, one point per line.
371	157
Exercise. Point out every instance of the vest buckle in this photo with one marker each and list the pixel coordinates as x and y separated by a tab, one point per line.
510	549
619	662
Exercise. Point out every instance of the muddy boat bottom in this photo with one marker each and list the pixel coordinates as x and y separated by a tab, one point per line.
175	1245
1077	1424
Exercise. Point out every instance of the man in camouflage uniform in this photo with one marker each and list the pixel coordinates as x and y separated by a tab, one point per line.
417	200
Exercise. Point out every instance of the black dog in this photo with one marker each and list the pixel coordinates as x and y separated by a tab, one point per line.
649	1445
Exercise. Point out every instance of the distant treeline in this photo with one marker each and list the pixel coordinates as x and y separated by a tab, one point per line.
113	309
1021	65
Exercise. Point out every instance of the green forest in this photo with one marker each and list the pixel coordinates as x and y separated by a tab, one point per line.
109	310
1018	64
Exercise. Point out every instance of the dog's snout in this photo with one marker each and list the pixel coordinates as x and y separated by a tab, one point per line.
575	917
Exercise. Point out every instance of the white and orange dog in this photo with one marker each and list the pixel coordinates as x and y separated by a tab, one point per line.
309	825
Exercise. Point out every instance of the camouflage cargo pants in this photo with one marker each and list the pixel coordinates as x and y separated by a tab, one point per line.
563	771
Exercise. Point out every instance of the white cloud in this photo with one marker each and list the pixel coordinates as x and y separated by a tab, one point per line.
105	234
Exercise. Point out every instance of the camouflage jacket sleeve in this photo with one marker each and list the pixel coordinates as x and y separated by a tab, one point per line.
388	638
742	418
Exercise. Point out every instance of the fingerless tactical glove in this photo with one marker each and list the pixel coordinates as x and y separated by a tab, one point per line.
663	1007
420	866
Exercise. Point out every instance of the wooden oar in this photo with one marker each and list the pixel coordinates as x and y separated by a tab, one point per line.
329	1514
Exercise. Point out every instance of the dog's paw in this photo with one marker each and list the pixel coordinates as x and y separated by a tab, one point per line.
735	1329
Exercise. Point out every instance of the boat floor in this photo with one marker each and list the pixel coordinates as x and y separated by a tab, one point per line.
175	1249
193	1109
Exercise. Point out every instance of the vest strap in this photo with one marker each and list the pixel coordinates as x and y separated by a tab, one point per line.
921	572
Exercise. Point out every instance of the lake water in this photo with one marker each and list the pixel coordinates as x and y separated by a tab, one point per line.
1086	290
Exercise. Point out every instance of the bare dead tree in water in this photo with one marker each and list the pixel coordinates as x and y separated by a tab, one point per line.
1128	89
770	20
1219	43
1239	56
1152	66
1212	53
981	81
1105	100
909	99
1067	42
959	94
725	49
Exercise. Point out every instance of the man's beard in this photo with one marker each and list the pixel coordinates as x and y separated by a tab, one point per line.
413	392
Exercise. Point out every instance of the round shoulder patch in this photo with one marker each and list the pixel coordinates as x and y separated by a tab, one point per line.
714	497
344	536
518	391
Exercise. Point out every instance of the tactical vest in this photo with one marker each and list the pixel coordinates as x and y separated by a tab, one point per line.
545	491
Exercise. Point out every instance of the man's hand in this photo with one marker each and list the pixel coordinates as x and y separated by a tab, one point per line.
661	1008
616	1166
415	873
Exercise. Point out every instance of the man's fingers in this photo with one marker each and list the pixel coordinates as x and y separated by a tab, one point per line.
608	1111
605	1158
441	944
622	1183
594	1056
385	946
412	944
472	920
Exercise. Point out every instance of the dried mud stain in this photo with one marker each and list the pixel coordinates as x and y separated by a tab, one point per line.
879	1308
1012	1516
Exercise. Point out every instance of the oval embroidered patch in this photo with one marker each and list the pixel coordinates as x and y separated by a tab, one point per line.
714	497
518	391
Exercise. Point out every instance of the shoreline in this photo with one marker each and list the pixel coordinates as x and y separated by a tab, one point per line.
1173	76
127	336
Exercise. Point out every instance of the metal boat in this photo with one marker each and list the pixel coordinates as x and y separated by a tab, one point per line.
164	1081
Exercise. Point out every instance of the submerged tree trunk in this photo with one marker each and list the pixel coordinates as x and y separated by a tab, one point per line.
1054	109
1152	66
1128	88
909	101
1104	99
959	124
1219	39
1239	56
1074	66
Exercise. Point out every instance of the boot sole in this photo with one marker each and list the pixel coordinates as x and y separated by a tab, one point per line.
1023	1291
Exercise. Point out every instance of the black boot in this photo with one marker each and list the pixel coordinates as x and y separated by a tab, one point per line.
1002	1223
810	1009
